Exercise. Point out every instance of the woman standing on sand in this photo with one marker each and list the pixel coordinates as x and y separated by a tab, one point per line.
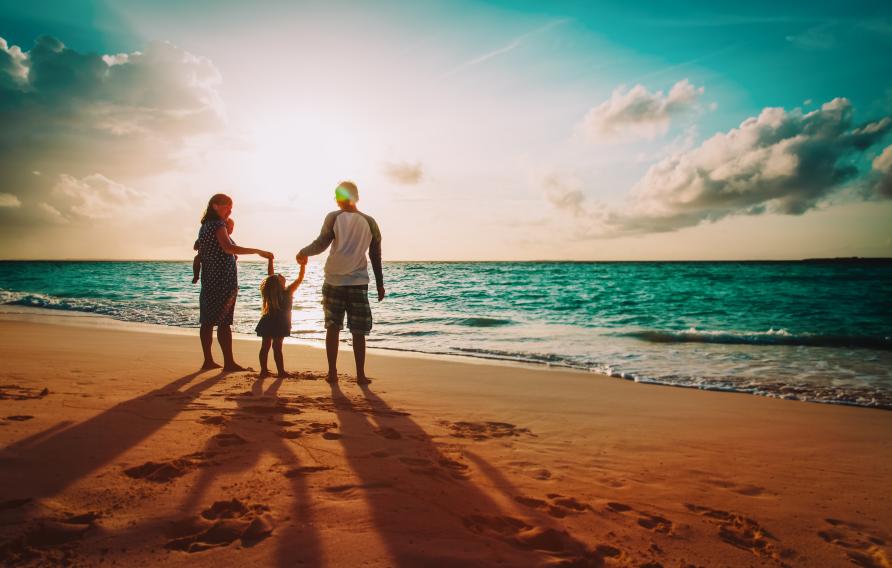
219	280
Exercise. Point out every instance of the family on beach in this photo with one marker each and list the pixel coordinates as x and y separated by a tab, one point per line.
351	235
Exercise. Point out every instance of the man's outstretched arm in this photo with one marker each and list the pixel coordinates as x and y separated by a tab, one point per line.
326	235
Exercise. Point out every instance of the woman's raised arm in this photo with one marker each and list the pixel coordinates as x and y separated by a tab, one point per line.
229	248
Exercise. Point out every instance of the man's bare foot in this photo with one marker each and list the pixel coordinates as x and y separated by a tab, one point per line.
263	374
332	377
210	365
363	381
235	367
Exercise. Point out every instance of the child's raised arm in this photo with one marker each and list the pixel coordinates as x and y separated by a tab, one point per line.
269	267
300	278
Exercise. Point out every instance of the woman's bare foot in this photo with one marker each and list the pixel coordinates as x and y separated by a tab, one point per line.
210	365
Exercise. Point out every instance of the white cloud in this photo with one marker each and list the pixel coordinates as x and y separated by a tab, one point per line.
51	214
9	200
639	113
779	162
782	162
404	172
882	165
67	115
565	193
95	196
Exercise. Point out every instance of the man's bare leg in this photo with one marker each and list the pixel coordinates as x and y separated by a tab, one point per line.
224	338
359	357
332	337
206	333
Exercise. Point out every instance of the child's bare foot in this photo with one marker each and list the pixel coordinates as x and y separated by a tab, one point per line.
210	365
363	381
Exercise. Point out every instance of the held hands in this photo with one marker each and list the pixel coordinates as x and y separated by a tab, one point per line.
265	254
301	260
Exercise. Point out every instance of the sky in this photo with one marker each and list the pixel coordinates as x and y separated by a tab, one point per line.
511	130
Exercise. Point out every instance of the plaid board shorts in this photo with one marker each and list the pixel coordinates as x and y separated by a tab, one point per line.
354	300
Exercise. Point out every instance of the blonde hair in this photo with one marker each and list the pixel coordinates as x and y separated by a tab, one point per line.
271	290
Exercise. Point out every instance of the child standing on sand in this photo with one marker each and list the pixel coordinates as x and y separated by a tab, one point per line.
196	262
275	320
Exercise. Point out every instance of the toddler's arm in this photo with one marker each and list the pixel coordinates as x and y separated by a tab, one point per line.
300	278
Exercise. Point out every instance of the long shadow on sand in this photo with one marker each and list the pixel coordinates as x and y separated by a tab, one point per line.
424	506
243	441
59	456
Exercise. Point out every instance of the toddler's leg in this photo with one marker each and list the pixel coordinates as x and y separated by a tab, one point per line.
277	354
264	354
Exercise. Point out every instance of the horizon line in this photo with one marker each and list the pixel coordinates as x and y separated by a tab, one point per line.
258	261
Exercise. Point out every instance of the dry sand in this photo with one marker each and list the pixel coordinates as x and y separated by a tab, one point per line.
130	457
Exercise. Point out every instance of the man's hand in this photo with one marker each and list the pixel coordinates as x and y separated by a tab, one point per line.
301	259
380	293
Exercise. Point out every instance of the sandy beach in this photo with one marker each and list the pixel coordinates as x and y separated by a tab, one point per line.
117	452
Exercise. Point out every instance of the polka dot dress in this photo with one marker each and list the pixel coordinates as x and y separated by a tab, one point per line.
219	277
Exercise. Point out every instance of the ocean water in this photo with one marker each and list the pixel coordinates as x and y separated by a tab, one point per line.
813	331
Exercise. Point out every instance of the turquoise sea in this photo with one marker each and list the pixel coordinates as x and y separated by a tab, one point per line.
816	331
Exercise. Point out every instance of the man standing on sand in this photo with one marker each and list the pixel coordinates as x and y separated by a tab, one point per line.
346	288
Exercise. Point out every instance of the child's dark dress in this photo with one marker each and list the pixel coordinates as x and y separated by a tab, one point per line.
277	323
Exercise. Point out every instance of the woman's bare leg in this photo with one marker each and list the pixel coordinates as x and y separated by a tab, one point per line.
224	337
206	334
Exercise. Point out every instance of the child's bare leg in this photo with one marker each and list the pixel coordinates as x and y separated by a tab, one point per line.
277	355
207	338
332	336
264	355
359	357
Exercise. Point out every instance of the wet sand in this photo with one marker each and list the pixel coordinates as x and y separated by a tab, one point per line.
117	451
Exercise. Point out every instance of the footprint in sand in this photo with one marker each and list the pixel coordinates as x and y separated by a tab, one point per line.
559	507
744	533
552	541
480	431
864	547
166	471
651	522
305	470
226	440
212	420
747	490
46	534
389	433
221	525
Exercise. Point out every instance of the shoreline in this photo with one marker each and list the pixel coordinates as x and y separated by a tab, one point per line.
131	456
87	319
